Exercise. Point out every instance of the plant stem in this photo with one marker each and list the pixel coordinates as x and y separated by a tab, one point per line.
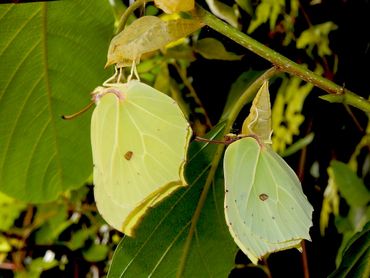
341	94
306	272
248	93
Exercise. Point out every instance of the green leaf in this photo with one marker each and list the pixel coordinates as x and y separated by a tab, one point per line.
287	112
55	220
333	98
349	185
267	10
5	246
330	203
317	35
211	48
37	266
158	248
299	144
180	52
79	237
52	56
162	81
96	253
10	210
356	256
175	6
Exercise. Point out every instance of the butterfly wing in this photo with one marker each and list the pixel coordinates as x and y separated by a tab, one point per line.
265	207
139	147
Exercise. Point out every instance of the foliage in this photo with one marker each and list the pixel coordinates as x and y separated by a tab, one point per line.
53	54
355	258
286	112
33	90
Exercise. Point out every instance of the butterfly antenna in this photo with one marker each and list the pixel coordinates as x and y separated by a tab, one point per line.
71	117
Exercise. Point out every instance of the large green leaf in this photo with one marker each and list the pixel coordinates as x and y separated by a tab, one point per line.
356	256
52	55
158	249
349	185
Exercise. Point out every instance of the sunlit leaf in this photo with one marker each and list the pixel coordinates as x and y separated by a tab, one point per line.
4	245
79	238
36	267
361	146
162	80
317	35
211	48
52	56
10	210
267	10
286	112
330	203
174	6
96	253
180	52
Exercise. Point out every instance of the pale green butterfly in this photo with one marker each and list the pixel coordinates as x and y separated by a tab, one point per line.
139	140
265	207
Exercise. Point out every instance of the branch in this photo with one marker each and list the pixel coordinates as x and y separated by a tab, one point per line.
338	93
